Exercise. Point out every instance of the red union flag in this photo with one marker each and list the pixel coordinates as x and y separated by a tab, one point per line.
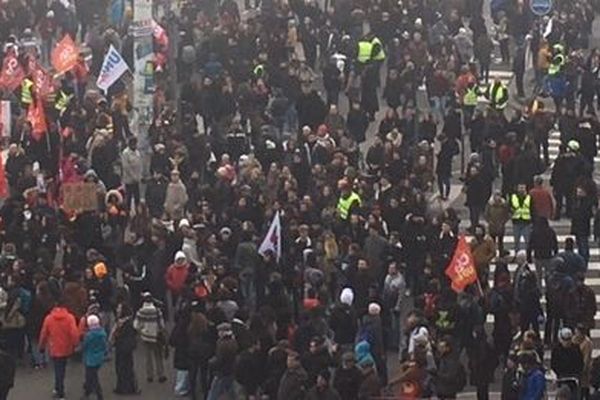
461	269
42	81
272	240
37	119
12	73
65	55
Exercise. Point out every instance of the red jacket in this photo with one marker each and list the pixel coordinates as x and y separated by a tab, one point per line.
59	333
176	276
542	203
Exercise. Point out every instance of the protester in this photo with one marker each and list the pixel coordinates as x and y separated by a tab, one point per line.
60	336
94	347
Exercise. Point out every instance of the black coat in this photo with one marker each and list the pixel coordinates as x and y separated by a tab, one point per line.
478	190
343	323
581	215
7	370
357	124
566	361
311	110
444	158
347	382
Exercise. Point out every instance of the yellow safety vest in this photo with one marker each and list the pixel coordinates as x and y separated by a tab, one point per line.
364	51
259	70
556	64
343	206
62	102
380	56
26	97
498	95
521	211
470	97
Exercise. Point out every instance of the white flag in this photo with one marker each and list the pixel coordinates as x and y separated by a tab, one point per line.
548	28
273	239
112	68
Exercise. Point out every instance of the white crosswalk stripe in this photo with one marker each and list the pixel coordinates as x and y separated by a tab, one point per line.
512	267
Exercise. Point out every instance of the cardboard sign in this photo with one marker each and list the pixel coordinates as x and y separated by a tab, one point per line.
79	196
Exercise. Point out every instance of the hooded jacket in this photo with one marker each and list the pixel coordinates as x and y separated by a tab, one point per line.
94	347
59	333
176	276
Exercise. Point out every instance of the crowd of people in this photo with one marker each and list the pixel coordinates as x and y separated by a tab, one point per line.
304	120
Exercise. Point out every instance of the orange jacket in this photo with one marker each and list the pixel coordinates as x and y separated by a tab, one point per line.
59	333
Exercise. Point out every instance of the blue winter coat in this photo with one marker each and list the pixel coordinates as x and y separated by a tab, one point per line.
534	386
95	347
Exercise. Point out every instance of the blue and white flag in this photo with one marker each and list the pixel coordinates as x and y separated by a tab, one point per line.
112	68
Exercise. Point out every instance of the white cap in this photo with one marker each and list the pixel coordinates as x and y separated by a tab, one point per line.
184	223
421	336
565	334
347	296
180	255
93	321
374	309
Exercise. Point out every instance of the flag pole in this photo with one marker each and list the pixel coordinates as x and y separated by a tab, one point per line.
479	287
48	142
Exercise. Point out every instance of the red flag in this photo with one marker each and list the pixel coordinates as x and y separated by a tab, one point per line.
12	73
42	81
461	269
3	182
37	119
65	55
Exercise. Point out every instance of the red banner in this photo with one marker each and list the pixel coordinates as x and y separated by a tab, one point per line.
12	73
65	55
42	81
461	269
37	118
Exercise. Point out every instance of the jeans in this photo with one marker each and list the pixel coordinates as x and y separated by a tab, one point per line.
60	371
153	354
4	393
221	386
474	214
182	383
92	383
444	186
198	367
483	392
583	247
484	72
499	240
132	192
37	358
521	230
541	266
438	107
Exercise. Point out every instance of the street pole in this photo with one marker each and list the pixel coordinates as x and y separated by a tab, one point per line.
143	76
173	32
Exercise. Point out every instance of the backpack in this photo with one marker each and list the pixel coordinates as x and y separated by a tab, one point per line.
497	302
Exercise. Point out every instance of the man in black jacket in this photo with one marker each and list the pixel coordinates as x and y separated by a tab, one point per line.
450	376
544	246
7	372
566	360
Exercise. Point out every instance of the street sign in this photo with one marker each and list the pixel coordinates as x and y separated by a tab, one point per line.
540	7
